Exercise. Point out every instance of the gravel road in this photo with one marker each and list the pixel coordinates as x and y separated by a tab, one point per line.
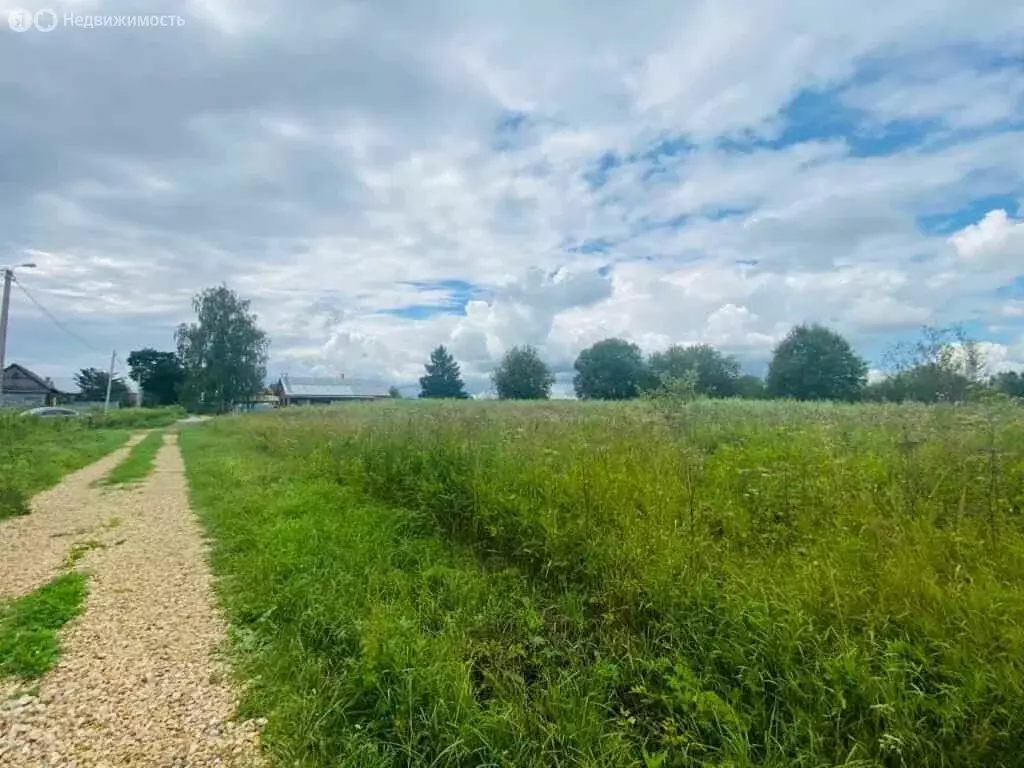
32	547
139	682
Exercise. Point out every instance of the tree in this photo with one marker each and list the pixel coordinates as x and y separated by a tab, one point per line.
92	386
1009	383
443	378
223	353
750	387
944	365
393	393
612	369
522	375
816	363
715	374
160	375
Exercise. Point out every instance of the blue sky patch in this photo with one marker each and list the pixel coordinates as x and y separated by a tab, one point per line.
597	175
509	130
669	147
424	311
459	292
947	222
822	116
598	245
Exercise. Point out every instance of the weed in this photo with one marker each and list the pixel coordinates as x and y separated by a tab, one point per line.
80	550
29	646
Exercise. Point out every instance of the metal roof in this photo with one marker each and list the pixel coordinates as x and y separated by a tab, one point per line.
336	389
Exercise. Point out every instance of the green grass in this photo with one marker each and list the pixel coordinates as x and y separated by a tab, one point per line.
36	453
582	584
139	462
29	645
136	418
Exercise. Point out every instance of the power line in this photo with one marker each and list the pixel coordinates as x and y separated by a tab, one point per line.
55	321
116	361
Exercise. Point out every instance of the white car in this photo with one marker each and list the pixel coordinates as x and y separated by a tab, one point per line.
50	412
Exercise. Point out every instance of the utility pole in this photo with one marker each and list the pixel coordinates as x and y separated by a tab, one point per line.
110	380
4	309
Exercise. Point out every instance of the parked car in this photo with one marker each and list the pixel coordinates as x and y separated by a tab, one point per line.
50	412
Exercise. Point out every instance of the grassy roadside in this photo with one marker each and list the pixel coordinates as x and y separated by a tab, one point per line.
36	453
587	584
139	462
29	645
351	620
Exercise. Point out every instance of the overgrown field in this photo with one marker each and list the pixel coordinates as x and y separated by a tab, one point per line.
36	453
583	584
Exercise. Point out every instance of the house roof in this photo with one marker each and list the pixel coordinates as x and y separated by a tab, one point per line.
43	383
332	389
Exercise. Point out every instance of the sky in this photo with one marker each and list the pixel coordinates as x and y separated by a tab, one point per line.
379	178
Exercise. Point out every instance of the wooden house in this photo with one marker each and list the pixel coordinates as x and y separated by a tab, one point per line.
25	389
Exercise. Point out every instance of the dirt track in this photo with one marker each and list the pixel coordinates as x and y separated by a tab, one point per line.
139	682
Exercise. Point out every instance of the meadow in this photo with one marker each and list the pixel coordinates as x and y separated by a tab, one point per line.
642	584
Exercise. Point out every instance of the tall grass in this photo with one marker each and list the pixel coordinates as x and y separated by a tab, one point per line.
587	584
36	453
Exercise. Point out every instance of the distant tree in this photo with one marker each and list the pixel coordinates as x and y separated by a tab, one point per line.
443	378
394	393
612	369
816	363
1009	383
159	375
92	386
877	392
522	375
715	374
223	353
750	387
943	365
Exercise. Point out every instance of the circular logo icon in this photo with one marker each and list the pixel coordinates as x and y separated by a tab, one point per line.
45	20
19	20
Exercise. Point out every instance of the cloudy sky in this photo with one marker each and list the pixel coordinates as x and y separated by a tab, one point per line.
381	177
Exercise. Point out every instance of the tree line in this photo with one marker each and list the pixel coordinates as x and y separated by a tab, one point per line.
812	362
220	360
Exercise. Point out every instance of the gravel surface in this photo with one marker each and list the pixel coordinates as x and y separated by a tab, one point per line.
139	682
33	546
